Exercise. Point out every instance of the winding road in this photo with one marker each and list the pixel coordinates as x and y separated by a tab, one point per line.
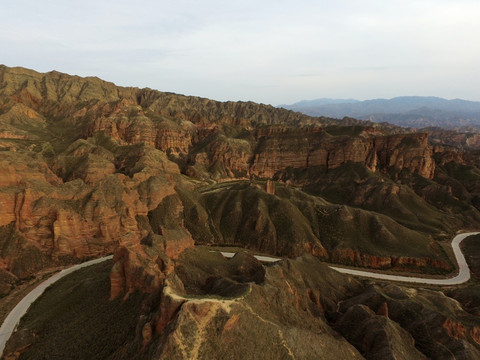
13	318
463	270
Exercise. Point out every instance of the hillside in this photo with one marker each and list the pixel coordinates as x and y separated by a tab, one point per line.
89	169
238	309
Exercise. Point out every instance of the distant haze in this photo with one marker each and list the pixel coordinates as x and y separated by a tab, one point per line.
411	111
272	52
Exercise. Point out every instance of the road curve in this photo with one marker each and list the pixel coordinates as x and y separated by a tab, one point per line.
463	270
269	259
13	318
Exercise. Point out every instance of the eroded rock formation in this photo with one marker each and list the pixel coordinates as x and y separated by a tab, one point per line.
88	168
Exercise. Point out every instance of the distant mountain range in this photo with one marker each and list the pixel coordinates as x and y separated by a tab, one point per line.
88	169
409	111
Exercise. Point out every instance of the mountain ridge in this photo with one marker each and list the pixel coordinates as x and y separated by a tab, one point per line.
408	111
87	135
89	169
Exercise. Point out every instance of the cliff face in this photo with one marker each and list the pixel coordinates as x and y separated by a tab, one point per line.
180	125
98	211
414	310
212	307
37	90
88	169
276	153
85	164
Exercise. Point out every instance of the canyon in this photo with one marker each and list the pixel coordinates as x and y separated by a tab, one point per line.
90	169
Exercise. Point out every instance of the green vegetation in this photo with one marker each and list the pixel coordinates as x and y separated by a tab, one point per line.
241	213
410	141
74	319
206	273
469	295
337	130
354	185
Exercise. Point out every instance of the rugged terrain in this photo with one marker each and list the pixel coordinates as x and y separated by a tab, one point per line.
89	168
237	309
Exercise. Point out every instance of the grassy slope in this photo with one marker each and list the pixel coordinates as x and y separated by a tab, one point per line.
469	295
75	319
241	213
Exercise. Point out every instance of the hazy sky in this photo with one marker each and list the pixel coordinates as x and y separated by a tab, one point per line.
266	51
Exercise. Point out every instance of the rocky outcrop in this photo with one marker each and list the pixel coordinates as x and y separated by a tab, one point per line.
475	334
144	262
212	307
400	263
145	268
299	291
458	330
410	152
276	153
216	322
18	168
130	125
36	90
437	324
82	180
283	148
383	310
88	215
377	336
462	139
272	140
270	187
455	329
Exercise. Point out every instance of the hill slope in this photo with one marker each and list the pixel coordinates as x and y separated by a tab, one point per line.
89	168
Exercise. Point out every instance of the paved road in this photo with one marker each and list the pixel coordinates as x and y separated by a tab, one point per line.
13	318
258	257
463	273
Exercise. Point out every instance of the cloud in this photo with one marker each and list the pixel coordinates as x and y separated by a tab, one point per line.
268	51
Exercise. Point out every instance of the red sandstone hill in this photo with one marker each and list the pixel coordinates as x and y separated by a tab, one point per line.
85	164
88	168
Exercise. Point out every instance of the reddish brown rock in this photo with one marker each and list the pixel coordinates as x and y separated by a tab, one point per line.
455	329
270	187
18	168
475	334
410	151
77	218
169	306
316	250
355	258
383	309
144	266
292	149
134	270
147	334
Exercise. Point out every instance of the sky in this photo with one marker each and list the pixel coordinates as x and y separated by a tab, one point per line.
272	52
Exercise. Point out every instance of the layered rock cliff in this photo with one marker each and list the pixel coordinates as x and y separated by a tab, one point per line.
211	307
85	163
88	168
260	141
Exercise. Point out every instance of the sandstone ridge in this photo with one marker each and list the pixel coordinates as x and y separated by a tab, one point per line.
88	164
